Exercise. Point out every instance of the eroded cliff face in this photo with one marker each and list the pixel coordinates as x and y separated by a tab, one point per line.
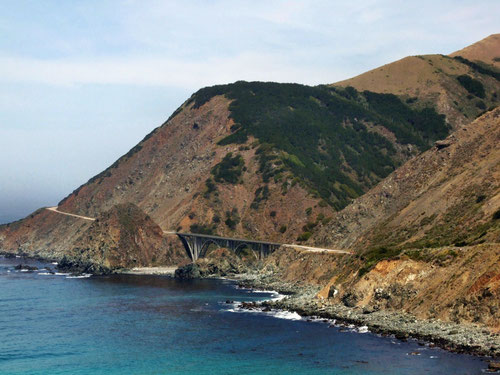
450	283
457	284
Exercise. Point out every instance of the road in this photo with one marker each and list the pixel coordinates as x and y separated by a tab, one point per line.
171	232
55	209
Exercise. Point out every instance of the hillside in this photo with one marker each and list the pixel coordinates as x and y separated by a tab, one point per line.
260	160
270	161
485	51
456	86
449	195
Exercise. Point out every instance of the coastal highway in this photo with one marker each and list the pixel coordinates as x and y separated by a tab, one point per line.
55	209
170	232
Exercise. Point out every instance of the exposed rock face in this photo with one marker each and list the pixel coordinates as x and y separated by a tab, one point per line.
122	237
220	262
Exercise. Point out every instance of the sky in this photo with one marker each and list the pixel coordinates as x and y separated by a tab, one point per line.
83	81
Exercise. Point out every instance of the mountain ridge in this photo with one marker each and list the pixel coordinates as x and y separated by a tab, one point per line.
261	160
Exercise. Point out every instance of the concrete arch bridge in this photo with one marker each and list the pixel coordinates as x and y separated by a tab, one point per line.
196	245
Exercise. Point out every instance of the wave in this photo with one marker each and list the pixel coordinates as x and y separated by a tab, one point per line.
280	314
83	276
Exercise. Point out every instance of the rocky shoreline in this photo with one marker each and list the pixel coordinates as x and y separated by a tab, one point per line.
301	298
459	338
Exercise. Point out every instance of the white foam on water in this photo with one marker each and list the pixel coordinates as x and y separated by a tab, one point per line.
55	263
363	329
433	356
274	313
45	273
263	291
286	315
83	276
23	270
62	274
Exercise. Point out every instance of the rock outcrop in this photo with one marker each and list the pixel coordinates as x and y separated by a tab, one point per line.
122	237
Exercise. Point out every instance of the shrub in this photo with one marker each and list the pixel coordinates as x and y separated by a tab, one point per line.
496	215
304	236
472	85
232	218
201	229
480	198
283	229
229	169
261	194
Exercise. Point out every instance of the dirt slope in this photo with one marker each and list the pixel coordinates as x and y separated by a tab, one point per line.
486	50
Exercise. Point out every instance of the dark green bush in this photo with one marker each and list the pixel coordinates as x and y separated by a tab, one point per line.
472	85
232	218
304	236
202	229
229	169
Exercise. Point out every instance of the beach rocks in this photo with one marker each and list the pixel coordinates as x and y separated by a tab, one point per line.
350	299
494	366
190	271
25	267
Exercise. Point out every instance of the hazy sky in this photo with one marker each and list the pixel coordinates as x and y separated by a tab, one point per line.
82	81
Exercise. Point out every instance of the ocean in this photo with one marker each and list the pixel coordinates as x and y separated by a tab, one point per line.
128	324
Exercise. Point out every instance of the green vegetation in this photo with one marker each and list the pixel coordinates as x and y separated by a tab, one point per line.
472	85
202	229
496	215
211	187
229	169
232	218
304	236
238	136
283	229
261	195
320	134
480	68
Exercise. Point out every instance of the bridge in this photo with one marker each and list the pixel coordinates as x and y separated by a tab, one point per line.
196	245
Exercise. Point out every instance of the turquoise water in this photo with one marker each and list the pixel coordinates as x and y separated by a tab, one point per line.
51	324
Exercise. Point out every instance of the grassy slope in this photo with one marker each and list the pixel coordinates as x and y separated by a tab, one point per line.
433	80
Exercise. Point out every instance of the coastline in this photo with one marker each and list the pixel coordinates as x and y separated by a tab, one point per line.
301	299
453	337
158	271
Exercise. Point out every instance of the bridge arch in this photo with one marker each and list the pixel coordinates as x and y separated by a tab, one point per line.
196	245
206	244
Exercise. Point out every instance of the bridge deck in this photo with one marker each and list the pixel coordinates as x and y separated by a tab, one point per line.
225	238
